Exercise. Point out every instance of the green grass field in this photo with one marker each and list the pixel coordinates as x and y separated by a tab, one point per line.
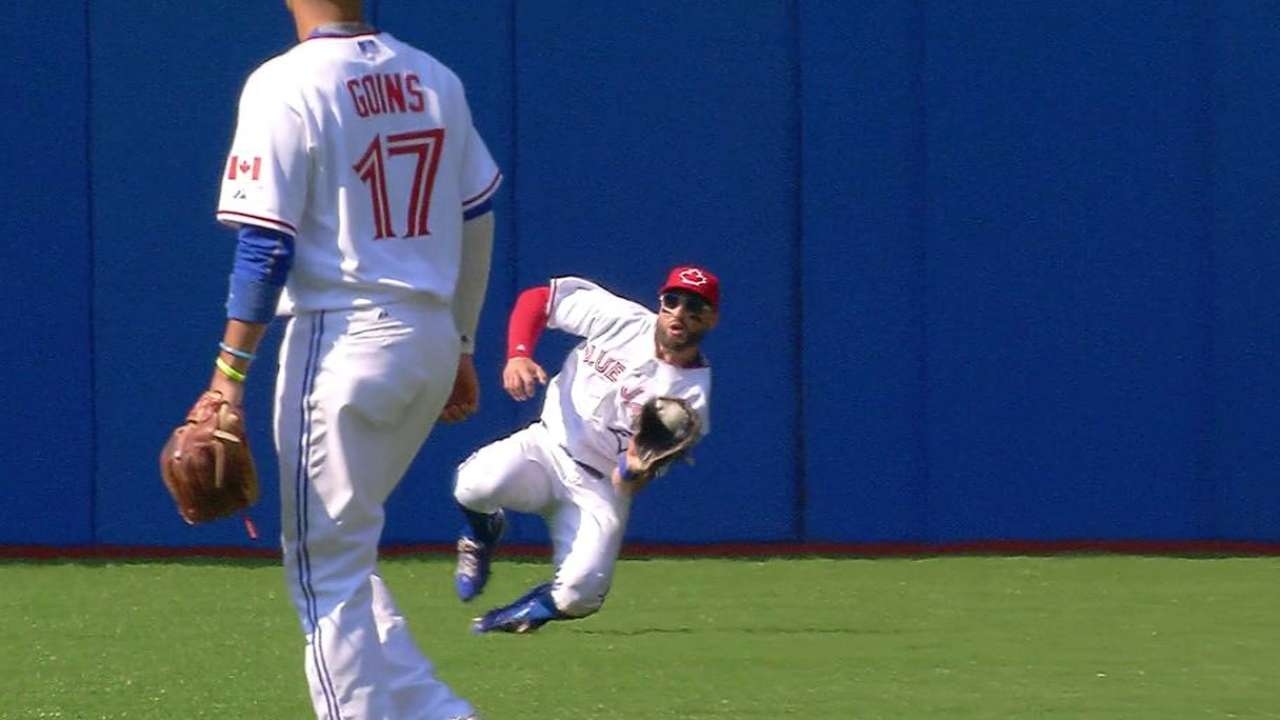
955	637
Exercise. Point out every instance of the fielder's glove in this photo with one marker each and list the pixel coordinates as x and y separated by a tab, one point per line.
206	463
665	430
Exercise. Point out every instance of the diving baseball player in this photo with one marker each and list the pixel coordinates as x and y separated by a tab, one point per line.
574	466
360	187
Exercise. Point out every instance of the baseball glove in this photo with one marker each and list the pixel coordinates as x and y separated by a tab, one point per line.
206	464
665	430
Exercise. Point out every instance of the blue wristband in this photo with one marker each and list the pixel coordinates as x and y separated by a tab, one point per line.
623	472
235	352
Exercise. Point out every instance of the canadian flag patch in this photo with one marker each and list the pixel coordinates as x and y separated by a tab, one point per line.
239	167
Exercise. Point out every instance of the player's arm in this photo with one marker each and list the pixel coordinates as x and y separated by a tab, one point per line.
574	305
262	261
521	376
473	283
581	307
263	196
479	180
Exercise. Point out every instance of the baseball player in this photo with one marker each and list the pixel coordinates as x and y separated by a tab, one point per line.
576	466
360	188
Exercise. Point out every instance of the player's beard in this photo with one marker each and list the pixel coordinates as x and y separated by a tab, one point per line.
670	344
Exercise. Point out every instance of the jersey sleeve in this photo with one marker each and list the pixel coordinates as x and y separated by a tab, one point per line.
480	174
265	179
582	308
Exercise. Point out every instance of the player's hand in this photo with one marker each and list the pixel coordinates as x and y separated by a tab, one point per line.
465	398
638	478
521	378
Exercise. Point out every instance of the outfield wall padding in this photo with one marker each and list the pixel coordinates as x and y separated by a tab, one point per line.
992	271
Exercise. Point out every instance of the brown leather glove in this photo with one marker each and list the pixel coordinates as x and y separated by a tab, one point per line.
206	464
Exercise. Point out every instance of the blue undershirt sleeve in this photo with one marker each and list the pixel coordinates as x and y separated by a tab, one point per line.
262	262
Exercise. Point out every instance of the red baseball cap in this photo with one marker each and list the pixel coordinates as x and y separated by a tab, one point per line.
696	280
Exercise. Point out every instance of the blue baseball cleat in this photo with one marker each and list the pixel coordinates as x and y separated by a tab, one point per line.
528	613
475	555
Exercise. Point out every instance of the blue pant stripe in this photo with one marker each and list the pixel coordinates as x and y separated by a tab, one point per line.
300	498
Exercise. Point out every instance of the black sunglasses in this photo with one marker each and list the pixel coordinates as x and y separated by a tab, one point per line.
693	304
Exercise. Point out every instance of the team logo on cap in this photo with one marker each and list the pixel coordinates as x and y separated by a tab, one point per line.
692	276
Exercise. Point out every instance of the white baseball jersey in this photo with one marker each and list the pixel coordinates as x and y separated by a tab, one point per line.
591	403
383	127
362	148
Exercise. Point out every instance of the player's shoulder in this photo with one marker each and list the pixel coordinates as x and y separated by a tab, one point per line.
579	289
270	83
413	51
569	284
273	72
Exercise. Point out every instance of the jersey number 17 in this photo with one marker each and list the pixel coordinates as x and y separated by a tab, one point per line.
424	145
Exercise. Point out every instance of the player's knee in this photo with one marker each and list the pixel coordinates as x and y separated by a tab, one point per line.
467	494
580	598
473	488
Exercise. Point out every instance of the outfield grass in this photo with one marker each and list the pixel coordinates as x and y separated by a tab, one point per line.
957	638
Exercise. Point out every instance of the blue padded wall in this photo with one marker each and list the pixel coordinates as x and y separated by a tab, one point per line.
658	133
1245	265
46	448
991	270
161	260
864	362
1064	302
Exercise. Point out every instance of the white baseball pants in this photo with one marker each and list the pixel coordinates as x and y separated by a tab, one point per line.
530	472
357	395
